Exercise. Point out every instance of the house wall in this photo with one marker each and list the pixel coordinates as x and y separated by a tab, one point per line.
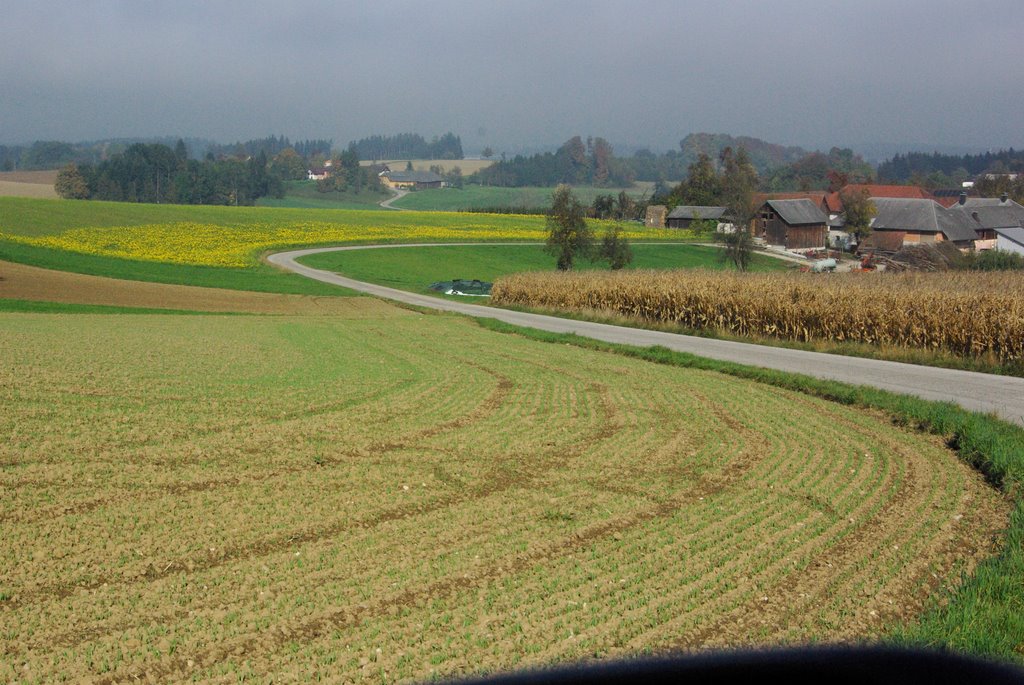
773	228
655	216
1008	245
804	237
915	238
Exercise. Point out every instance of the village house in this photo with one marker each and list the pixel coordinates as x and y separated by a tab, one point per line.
321	172
1010	240
911	221
794	224
415	180
990	215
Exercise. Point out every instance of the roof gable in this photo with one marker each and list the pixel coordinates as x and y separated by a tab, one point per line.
1015	235
989	216
907	192
694	212
413	176
922	216
798	212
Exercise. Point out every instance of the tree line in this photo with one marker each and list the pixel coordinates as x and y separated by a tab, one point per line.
574	163
594	163
904	168
158	174
408	146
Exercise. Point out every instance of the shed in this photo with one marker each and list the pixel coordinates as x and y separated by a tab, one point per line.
655	216
684	215
794	224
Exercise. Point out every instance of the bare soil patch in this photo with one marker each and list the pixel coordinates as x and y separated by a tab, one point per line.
35	190
45	177
23	282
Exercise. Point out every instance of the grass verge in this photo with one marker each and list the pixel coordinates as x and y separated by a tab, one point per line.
985	615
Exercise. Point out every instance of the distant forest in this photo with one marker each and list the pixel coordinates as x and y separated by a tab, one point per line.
919	166
408	146
54	154
210	172
158	174
593	162
575	163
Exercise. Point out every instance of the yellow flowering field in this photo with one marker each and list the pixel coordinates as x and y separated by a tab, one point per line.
221	238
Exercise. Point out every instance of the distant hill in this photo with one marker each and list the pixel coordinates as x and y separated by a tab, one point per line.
764	155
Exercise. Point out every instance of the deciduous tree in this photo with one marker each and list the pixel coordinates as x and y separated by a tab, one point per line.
615	249
569	236
70	184
858	211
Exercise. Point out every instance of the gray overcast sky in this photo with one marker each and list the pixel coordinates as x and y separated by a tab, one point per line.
523	73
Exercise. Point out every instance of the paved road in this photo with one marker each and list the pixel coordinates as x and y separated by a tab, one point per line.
1002	395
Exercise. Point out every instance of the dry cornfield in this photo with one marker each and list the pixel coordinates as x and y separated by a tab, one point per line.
964	313
291	499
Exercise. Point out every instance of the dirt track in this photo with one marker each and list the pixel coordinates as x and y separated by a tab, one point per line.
22	282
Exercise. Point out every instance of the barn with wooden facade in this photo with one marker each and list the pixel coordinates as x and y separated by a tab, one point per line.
794	224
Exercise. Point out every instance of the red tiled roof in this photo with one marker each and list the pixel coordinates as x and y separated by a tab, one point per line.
818	197
906	192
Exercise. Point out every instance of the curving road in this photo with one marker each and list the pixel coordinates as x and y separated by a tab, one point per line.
1002	395
398	195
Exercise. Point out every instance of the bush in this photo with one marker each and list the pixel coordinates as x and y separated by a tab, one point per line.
994	260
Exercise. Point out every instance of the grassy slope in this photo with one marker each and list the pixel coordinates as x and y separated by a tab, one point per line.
303	194
261	278
29	217
415	268
477	197
986	614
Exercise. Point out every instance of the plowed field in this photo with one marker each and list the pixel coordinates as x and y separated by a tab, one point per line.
298	498
22	282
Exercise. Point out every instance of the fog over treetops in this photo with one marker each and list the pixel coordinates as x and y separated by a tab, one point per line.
517	75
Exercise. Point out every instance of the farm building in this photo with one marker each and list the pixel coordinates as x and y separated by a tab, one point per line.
417	180
794	224
1010	240
923	221
988	215
655	216
684	216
